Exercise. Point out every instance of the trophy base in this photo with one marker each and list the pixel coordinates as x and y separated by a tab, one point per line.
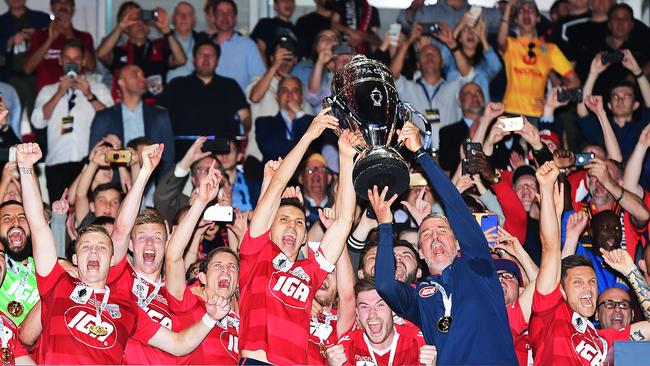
382	167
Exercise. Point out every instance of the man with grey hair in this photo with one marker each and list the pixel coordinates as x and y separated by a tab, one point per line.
184	19
462	295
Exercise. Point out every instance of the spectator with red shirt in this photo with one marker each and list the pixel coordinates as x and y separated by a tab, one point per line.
45	47
155	57
377	340
88	320
277	289
218	275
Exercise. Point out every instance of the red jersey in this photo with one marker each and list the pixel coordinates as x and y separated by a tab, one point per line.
322	334
138	353
220	347
560	336
406	351
9	337
519	330
49	70
275	299
68	315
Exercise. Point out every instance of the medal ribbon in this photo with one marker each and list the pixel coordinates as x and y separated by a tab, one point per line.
4	336
446	300
431	97
99	309
393	347
15	268
142	302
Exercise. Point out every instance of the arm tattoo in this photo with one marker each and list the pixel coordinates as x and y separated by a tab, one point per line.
25	170
642	290
637	336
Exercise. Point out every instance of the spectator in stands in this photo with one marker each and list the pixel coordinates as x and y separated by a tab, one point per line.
529	60
45	46
310	25
240	195
360	22
203	103
315	178
11	100
580	12
7	136
440	241
67	109
184	20
277	135
614	309
17	26
131	118
431	93
155	57
241	58
448	11
268	30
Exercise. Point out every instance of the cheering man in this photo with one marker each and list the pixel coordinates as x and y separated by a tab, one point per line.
460	306
277	289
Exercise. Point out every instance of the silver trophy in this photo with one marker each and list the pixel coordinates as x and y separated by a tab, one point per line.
365	100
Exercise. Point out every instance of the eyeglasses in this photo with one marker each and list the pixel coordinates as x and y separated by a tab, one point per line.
200	171
506	275
611	304
317	170
531	53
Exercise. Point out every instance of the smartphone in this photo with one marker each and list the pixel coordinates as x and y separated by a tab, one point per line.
417	179
71	70
570	95
471	148
370	213
393	33
7	154
429	29
217	145
219	214
512	124
343	49
475	13
148	15
584	159
613	57
118	156
489	223
286	43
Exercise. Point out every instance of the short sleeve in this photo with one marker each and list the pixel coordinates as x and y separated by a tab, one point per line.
188	304
545	304
145	328
250	245
37	40
611	335
516	318
321	265
115	272
47	283
88	41
560	63
19	349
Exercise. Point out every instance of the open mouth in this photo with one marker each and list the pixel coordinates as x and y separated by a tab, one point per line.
149	256
289	239
586	301
16	236
324	286
375	326
400	271
438	249
617	320
224	283
92	265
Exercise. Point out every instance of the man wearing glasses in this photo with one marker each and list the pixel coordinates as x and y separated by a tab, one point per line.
314	181
614	310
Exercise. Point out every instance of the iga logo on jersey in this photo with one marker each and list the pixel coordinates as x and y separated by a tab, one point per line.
291	290
79	319
427	291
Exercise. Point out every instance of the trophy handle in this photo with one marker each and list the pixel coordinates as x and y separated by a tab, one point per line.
406	113
334	102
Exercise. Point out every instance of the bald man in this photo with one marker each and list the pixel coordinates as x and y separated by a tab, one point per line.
614	309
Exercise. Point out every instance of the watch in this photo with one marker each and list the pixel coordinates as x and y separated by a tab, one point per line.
92	98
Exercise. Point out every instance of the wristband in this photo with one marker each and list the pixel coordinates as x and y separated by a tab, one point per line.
419	152
92	98
640	74
504	20
171	32
208	321
455	48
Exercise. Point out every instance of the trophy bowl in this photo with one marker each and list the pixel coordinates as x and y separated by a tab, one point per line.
365	100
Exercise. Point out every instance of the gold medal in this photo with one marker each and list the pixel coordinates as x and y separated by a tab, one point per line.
7	356
98	330
323	351
15	309
444	324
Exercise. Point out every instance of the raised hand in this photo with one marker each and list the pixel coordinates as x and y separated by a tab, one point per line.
445	35
493	110
619	259
270	167
410	134
217	307
530	133
128	19
322	122
547	175
380	205
209	185
597	65
509	243
630	63
421	208
428	355
516	160
558	198
464	183
347	141
293	192
113	140
194	153
151	156
551	99
4	112
336	355
598	168
162	21
644	138
98	154
576	224
481	164
327	216
10	171
594	103
564	158
240	225
28	154
61	206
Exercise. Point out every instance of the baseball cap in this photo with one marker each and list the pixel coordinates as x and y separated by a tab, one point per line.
508	266
521	171
316	157
547	134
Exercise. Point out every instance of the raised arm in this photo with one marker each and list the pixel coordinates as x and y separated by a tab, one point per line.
105	49
130	207
597	67
84	181
42	240
595	104
630	63
634	165
575	226
270	201
398	295
549	230
504	26
174	265
346	311
337	234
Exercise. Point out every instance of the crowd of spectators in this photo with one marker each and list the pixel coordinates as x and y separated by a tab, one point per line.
522	238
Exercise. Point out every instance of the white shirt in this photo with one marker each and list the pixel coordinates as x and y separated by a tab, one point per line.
73	146
445	100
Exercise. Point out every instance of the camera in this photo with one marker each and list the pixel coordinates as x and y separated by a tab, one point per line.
570	95
613	57
287	43
429	29
118	156
584	159
71	70
148	15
